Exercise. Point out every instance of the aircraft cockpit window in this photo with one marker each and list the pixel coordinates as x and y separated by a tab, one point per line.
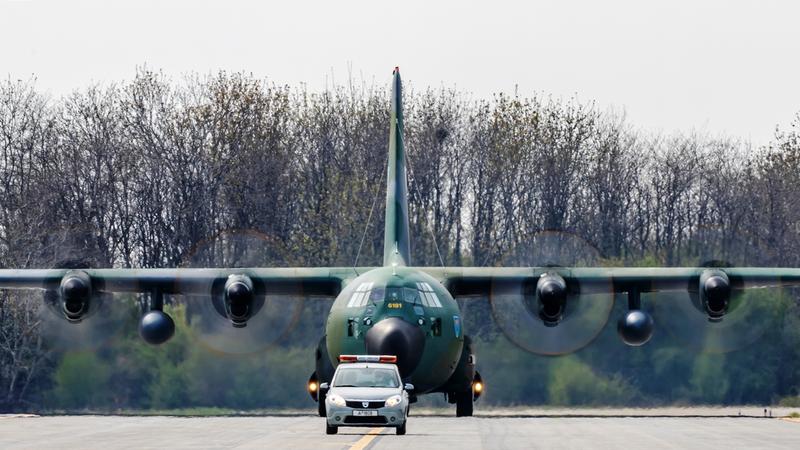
428	296
361	295
411	295
394	295
377	295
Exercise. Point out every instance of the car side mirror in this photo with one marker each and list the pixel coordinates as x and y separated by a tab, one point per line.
324	386
408	387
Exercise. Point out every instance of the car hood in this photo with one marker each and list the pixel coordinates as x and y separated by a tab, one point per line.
360	393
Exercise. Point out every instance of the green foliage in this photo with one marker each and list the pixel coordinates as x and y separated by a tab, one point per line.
503	365
708	383
81	380
573	382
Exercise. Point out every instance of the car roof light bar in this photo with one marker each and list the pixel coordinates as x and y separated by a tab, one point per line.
392	359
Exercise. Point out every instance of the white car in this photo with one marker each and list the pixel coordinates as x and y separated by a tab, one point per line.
366	391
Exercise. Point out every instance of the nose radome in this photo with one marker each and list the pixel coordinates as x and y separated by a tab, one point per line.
395	336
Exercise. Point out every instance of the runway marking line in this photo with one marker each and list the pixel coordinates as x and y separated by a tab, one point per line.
362	443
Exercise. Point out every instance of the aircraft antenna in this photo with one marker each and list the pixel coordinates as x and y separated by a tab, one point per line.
369	219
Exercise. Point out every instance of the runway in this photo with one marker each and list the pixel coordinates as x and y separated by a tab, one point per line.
307	432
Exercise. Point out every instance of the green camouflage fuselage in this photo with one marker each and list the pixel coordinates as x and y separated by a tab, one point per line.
407	294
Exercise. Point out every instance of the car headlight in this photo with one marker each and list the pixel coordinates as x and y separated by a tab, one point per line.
336	399
393	400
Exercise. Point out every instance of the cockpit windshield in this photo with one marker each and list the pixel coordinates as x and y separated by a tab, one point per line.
377	294
366	293
366	377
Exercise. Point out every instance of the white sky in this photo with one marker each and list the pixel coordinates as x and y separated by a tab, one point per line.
719	66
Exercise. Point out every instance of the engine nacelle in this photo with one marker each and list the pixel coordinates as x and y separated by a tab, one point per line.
715	294
239	297
551	296
75	295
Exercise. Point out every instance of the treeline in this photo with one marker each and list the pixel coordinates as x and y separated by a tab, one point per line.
157	173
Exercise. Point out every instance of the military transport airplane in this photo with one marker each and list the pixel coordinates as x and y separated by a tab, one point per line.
404	310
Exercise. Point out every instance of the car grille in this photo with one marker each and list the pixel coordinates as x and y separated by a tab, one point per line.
360	405
365	419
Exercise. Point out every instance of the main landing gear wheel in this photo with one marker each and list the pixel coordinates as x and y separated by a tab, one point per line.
463	404
321	406
401	430
331	429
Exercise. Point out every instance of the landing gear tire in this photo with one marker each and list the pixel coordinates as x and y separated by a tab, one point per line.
331	429
401	430
463	404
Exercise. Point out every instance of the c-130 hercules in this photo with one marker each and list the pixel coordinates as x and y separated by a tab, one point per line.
408	311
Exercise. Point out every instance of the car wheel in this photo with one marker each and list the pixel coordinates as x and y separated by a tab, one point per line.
331	429
401	430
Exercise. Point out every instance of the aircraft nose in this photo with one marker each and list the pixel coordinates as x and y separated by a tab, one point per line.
395	336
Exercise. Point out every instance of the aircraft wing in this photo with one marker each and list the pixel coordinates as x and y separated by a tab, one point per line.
558	310
479	281
189	281
236	294
460	281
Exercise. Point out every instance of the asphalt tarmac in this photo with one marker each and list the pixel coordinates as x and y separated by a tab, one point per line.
430	432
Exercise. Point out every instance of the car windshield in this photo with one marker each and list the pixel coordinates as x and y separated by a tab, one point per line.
366	377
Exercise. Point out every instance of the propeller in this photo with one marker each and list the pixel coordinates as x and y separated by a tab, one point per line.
713	316
73	317
548	315
237	316
99	327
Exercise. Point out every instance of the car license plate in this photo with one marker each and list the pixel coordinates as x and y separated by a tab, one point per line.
364	412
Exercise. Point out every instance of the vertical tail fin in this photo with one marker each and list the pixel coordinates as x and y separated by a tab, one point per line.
396	246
